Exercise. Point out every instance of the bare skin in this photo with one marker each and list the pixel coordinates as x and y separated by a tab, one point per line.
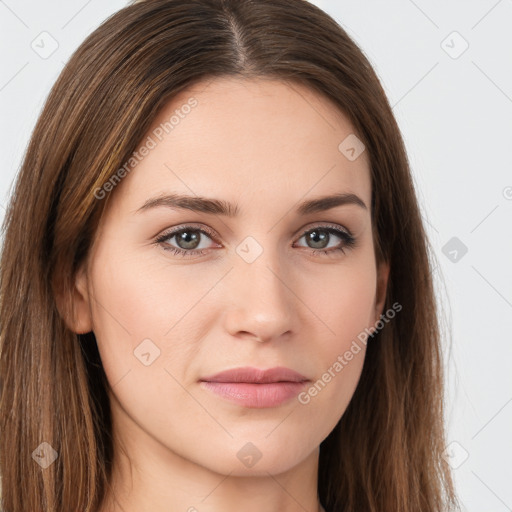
266	146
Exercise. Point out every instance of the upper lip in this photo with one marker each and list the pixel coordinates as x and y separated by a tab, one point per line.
256	375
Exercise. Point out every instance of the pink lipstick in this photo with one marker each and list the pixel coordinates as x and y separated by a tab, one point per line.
255	388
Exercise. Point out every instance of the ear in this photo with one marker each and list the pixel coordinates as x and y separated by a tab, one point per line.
382	286
74	305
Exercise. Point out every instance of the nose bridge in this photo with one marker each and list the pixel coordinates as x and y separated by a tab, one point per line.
261	303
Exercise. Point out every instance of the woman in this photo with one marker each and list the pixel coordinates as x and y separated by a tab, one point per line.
215	281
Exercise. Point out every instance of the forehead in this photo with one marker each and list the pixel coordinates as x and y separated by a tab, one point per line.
242	139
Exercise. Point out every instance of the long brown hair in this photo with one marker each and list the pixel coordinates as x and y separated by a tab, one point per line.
385	454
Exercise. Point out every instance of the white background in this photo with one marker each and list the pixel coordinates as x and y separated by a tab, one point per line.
456	117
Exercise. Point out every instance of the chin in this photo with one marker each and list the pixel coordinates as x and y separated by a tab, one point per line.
259	457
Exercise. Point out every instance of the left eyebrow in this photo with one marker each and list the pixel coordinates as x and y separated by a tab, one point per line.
324	203
220	207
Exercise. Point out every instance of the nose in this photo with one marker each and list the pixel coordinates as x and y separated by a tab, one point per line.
260	304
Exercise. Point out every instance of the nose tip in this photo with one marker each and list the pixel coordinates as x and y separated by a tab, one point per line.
261	305
262	327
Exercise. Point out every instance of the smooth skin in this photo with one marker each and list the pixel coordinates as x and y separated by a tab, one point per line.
266	146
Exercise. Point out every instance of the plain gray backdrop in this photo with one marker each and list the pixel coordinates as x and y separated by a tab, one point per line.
447	70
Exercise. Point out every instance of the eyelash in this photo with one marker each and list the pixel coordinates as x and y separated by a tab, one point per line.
348	241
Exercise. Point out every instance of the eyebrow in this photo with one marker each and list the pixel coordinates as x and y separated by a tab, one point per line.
220	207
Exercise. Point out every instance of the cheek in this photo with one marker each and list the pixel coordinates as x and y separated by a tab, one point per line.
147	310
134	307
142	294
345	303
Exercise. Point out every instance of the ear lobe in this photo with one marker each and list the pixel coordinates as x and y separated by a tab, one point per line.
74	306
382	286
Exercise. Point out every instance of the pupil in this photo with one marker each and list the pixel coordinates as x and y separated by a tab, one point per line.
319	237
190	239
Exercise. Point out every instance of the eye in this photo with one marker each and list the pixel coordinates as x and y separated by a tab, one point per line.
320	237
188	240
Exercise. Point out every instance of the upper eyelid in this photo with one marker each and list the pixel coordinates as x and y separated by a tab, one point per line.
173	231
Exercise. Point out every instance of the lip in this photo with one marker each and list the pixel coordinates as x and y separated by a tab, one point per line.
256	388
252	375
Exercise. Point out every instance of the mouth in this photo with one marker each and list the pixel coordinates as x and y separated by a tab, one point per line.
256	388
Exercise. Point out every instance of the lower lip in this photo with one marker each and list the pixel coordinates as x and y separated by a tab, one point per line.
255	395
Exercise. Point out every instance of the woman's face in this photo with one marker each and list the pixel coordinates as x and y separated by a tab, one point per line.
250	286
